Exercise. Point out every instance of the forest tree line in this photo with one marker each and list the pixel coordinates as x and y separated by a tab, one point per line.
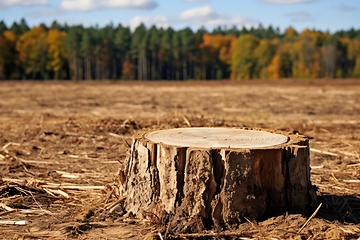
115	52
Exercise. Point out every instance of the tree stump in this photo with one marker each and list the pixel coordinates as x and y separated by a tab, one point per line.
204	178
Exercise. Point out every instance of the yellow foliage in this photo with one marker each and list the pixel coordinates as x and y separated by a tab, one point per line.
290	33
31	47
274	69
56	51
356	71
243	63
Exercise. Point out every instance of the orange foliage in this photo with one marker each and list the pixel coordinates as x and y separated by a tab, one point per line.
10	36
127	69
219	45
274	68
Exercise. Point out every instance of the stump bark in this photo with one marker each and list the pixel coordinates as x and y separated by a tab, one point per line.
205	178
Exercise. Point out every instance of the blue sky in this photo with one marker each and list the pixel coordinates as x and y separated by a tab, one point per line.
322	15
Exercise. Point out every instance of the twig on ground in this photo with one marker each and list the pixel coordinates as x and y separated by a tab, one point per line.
252	224
44	184
208	235
111	205
52	192
323	152
8	145
186	121
313	215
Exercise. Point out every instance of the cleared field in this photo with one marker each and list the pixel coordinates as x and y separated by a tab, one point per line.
62	143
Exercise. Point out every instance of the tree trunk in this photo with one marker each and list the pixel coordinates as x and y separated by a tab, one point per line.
144	66
203	178
169	70
185	70
139	65
88	68
153	66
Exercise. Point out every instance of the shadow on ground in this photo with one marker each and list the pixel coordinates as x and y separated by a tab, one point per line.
340	208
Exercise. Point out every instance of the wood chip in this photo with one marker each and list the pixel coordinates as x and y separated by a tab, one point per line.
67	175
317	167
352	181
7	208
9	222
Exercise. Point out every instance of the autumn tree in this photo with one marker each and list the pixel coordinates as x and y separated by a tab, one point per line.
306	55
264	54
56	51
32	49
243	60
290	34
274	69
218	50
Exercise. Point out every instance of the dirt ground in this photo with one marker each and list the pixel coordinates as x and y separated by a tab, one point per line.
62	143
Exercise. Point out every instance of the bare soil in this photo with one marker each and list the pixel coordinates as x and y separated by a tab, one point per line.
62	143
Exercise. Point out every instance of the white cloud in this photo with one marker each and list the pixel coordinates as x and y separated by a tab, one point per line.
198	14
197	17
207	17
79	5
231	21
288	1
142	4
89	5
158	21
27	3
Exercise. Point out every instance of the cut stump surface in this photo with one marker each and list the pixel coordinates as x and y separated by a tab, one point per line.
201	178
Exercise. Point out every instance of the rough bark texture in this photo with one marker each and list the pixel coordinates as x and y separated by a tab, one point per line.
216	188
